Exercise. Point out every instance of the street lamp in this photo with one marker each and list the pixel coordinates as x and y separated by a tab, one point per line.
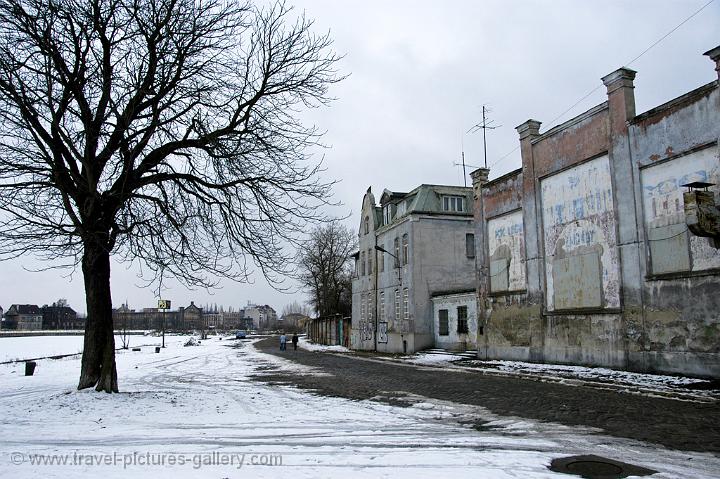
383	250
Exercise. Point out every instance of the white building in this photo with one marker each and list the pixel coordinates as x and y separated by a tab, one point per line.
413	246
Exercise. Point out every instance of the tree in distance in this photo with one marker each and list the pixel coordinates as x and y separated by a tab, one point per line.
326	268
165	132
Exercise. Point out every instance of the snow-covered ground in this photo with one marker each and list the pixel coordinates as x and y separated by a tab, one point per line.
200	407
29	347
674	387
305	344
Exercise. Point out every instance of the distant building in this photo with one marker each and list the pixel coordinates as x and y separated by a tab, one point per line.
263	317
191	318
24	317
236	320
60	316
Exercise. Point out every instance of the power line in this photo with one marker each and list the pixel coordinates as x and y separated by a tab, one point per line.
600	86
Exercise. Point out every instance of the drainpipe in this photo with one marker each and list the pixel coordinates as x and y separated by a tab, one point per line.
375	286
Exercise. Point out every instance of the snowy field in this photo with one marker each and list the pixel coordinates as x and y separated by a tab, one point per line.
195	412
29	347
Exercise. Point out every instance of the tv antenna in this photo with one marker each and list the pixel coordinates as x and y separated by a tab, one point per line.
463	164
484	126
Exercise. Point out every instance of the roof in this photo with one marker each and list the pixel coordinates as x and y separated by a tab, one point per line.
24	309
427	198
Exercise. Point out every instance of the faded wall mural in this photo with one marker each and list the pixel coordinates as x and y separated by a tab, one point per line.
506	242
673	248
581	259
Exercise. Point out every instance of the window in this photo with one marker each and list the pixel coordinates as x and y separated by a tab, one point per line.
362	263
382	305
454	203
470	245
397	252
397	304
462	323
443	329
387	214
405	255
405	304
381	261
362	307
369	306
370	262
367	224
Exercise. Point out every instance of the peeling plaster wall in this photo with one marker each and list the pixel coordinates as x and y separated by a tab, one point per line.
581	259
506	240
598	196
678	329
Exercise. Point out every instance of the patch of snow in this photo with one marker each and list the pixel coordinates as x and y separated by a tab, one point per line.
309	346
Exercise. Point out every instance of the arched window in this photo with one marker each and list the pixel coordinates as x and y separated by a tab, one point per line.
362	263
397	252
367	224
405	249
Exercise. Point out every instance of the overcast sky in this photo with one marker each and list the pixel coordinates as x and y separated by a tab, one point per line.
419	75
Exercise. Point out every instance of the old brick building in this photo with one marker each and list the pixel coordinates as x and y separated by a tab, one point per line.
587	255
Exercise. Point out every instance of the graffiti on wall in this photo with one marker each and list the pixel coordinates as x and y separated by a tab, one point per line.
367	331
382	332
672	246
507	252
581	259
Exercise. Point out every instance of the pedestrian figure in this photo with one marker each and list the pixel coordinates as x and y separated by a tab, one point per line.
295	340
283	341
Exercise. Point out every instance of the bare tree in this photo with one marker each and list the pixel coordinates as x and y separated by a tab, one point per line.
296	308
164	131
326	268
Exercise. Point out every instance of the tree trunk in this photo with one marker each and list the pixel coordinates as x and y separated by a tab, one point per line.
98	359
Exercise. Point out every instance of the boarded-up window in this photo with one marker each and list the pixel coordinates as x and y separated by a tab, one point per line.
577	281
669	250
470	245
462	323
499	278
443	329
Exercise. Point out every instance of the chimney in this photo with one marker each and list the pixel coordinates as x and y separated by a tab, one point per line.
714	55
621	97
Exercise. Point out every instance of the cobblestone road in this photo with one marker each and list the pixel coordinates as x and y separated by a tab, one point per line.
676	424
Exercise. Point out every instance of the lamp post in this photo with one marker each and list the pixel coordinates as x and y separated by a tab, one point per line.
383	250
163	304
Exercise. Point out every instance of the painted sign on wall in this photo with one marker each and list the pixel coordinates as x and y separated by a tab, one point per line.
581	259
672	246
506	242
